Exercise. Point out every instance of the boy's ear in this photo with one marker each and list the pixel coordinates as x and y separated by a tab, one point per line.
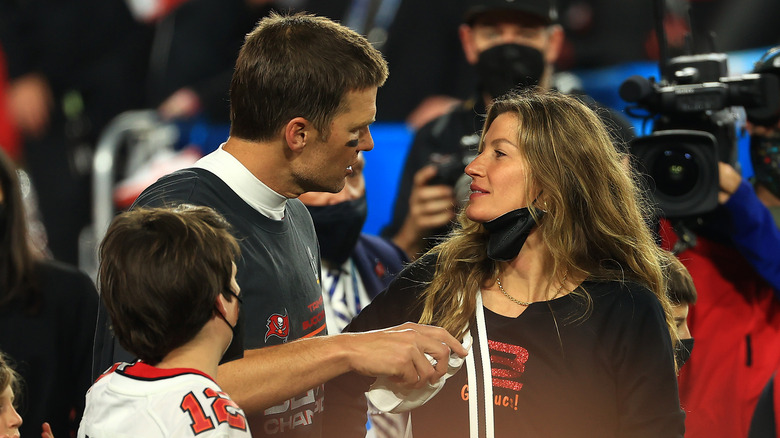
221	304
298	132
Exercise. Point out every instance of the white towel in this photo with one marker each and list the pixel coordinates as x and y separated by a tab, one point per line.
389	396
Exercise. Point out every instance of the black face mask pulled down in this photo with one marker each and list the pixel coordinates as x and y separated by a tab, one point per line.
338	227
507	66
682	352
508	233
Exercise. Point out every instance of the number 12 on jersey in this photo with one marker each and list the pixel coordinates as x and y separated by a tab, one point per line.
224	410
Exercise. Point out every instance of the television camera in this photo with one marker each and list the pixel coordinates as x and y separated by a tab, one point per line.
693	108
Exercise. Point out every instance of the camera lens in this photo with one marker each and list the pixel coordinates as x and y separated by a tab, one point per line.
675	171
679	170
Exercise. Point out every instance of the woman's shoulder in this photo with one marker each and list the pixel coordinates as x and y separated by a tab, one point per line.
63	278
622	294
415	276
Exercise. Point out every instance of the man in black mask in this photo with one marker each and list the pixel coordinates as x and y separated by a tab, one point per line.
511	44
355	266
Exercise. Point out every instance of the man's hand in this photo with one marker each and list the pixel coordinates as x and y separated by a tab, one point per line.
729	180
46	431
399	352
182	104
430	207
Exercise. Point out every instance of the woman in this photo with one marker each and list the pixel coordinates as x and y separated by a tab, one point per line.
10	420
47	320
556	276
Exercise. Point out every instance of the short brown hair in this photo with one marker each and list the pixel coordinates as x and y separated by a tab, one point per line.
681	287
161	270
298	66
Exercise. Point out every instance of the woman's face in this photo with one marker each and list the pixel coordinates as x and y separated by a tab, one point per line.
9	418
498	173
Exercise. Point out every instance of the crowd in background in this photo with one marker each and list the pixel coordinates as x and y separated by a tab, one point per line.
67	68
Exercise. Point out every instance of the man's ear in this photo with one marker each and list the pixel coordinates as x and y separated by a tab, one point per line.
466	34
555	44
298	132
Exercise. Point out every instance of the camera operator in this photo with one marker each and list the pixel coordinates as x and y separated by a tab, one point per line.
510	44
753	229
734	259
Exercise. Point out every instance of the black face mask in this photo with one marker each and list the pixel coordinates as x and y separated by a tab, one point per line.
338	227
508	233
766	161
683	351
507	66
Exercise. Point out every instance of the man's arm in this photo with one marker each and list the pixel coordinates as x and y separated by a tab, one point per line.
754	231
266	377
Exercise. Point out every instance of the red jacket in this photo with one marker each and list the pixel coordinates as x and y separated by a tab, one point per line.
736	326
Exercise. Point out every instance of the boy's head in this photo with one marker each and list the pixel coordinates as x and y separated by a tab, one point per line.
9	388
161	271
682	293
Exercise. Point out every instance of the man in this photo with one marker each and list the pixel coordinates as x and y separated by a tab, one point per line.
168	280
356	266
302	99
510	43
735	264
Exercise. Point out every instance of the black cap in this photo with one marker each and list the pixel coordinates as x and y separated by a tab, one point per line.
769	62
544	9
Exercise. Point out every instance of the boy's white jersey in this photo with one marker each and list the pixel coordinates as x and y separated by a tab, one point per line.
139	400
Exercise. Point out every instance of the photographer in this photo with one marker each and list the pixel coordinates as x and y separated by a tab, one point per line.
511	45
732	254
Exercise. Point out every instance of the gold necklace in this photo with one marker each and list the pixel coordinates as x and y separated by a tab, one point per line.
523	303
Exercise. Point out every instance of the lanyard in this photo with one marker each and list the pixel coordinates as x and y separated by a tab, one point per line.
480	380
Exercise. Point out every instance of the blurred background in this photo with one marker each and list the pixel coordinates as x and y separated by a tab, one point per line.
71	67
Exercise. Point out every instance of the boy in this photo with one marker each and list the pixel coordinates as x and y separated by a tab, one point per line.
167	279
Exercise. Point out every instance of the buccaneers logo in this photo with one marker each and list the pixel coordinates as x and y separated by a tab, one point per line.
279	326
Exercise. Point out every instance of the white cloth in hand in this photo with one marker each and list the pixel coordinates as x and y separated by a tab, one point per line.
389	396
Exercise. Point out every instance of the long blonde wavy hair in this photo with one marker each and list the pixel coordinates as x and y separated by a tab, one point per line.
595	222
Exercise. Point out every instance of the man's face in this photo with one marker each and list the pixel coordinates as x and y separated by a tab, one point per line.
503	27
354	188
330	160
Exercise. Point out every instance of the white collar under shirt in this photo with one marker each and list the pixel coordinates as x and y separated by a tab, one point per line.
258	195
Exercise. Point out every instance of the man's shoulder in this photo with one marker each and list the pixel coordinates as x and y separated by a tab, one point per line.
191	185
619	126
463	119
381	248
